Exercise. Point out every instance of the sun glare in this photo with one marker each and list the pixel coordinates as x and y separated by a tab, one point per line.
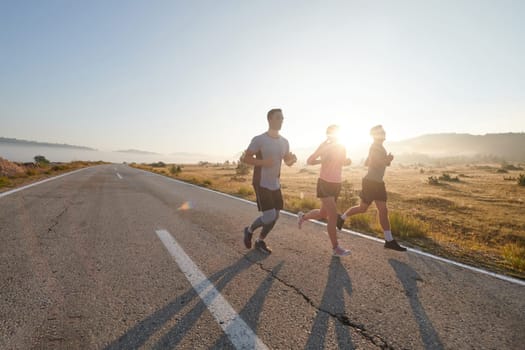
354	137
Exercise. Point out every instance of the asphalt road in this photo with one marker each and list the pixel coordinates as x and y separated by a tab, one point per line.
112	257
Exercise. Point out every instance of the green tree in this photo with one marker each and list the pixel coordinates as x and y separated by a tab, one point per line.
41	160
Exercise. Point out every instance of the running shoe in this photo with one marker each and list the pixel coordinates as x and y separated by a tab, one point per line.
394	246
340	222
247	238
300	219
261	245
338	251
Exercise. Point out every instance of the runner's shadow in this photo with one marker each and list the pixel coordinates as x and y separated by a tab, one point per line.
145	329
409	277
253	308
333	307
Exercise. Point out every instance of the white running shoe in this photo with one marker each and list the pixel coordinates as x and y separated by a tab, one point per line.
338	251
300	219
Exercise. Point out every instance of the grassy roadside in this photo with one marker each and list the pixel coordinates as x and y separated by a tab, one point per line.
477	219
13	175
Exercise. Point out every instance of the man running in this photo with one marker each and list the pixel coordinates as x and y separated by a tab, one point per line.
266	152
373	187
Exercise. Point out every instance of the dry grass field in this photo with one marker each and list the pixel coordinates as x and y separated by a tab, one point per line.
471	213
13	174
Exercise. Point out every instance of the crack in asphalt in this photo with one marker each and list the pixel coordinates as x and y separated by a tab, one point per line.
341	317
56	220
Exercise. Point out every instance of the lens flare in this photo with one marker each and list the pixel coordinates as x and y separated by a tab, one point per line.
186	206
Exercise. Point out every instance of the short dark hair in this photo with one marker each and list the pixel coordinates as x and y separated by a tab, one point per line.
376	129
331	129
272	112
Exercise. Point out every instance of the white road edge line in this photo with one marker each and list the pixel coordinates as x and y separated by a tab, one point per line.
239	333
7	193
119	176
358	234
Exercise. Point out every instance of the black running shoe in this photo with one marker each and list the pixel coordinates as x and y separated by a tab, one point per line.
394	246
247	238
261	245
340	222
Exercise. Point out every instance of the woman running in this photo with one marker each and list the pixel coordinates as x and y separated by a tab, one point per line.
332	157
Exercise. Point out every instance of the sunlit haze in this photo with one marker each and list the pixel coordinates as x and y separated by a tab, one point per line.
199	76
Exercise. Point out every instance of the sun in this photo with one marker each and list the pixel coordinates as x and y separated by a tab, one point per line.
354	137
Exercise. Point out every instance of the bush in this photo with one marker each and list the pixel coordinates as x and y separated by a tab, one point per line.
408	227
521	180
242	167
175	170
506	166
59	167
158	165
296	204
448	178
360	222
432	180
514	255
245	191
4	181
347	197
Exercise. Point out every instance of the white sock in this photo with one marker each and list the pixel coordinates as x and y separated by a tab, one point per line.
388	236
343	216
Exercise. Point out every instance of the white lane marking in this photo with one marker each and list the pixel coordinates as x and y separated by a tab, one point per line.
239	333
362	235
7	193
120	177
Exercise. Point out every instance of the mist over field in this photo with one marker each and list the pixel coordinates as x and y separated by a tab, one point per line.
450	147
25	152
495	147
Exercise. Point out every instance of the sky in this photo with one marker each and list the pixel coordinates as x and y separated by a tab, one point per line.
200	76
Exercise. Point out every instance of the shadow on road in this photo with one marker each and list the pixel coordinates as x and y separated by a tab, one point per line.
140	333
409	277
333	305
252	310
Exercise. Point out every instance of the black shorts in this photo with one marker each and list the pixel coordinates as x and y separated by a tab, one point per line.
268	199
328	189
373	191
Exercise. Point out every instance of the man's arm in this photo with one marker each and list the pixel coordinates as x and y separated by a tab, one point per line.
249	158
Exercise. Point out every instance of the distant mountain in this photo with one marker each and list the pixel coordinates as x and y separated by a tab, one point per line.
136	151
192	158
505	146
41	144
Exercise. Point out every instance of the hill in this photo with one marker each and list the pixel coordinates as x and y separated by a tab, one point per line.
136	151
500	147
41	144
